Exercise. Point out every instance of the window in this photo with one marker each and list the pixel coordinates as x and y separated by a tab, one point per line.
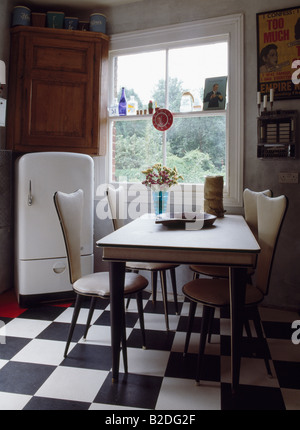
160	65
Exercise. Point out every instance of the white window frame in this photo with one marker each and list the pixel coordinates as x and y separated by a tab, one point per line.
228	28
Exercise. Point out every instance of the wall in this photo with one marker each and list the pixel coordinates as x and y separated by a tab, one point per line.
6	234
258	174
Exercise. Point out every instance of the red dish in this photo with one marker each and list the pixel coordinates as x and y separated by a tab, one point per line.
162	119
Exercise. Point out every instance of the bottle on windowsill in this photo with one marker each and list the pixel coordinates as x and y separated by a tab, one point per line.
123	103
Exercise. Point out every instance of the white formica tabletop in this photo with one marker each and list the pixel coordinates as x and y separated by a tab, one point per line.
229	241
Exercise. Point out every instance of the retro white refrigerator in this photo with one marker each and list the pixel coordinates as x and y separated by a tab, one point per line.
41	267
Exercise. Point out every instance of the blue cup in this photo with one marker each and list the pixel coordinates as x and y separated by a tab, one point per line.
71	23
21	16
98	22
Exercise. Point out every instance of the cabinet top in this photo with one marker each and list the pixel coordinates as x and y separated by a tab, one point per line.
46	31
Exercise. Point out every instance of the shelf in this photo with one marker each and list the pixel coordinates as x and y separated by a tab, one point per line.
175	115
276	134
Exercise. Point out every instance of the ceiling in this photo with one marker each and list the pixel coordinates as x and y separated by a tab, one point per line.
82	4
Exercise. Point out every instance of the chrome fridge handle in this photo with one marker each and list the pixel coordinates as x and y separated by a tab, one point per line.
29	201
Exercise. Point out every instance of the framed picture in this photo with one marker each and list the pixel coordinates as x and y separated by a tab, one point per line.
278	53
215	93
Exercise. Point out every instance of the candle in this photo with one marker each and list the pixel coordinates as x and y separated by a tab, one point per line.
271	95
265	101
258	98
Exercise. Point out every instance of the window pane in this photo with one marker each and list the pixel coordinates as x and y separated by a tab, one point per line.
136	146
190	66
197	147
142	75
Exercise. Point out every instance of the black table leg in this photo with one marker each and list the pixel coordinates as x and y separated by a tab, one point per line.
238	280
117	277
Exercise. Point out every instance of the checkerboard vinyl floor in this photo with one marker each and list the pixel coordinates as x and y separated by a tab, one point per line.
35	375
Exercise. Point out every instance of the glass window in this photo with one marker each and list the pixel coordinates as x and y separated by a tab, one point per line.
169	66
195	143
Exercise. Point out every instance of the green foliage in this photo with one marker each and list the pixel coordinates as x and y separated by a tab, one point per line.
196	146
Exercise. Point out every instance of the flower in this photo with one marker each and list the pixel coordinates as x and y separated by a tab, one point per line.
160	177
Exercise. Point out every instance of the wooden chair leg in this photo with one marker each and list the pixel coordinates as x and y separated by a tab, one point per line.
73	322
165	296
204	329
260	335
174	286
139	301
90	315
124	344
193	306
211	320
154	286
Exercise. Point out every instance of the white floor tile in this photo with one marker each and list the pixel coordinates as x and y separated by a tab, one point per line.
66	316
253	372
157	322
11	401
146	361
42	352
3	363
184	394
284	350
23	327
212	348
73	384
291	399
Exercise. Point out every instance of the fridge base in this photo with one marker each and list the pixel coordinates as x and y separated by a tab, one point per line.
39	279
30	300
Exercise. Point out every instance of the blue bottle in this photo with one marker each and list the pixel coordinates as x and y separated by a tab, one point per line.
123	103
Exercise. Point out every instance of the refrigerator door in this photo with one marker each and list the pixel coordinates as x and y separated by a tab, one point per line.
38	176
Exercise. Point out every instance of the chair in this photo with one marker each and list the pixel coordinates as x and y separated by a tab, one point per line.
115	199
250	211
214	293
69	209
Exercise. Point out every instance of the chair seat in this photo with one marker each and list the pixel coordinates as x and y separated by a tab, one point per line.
97	284
150	266
213	271
215	292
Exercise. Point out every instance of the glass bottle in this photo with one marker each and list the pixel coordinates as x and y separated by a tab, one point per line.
123	103
132	106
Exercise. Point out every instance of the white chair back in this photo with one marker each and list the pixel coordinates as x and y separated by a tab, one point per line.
250	207
116	202
270	215
69	209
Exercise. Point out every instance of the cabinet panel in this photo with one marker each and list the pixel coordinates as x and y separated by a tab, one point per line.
63	112
58	91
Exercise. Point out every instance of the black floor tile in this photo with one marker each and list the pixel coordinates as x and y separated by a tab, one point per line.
12	346
139	391
88	356
288	374
251	397
42	403
23	378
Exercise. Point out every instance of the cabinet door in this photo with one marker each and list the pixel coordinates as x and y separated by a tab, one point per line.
60	93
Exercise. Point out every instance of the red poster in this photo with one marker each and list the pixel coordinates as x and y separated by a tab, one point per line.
278	53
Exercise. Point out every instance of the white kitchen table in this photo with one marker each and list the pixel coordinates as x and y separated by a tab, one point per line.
228	242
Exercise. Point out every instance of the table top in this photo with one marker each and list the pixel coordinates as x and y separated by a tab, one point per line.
229	241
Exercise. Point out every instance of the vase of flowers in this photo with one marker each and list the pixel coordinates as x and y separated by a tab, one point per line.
159	179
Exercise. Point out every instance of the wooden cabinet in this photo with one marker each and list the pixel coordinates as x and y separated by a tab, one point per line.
57	99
